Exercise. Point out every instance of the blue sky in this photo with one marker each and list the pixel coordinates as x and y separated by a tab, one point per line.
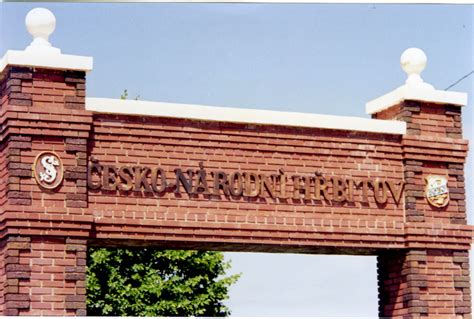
317	58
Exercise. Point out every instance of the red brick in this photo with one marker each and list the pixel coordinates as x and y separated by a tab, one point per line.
415	241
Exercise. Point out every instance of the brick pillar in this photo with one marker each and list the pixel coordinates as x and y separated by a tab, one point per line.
13	273
433	145
431	276
424	282
44	239
43	276
421	280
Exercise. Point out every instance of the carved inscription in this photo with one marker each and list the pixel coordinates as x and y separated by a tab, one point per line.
237	184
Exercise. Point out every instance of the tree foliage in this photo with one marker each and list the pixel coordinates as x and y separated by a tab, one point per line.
147	282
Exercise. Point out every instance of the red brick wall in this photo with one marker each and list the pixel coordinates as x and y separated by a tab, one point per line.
431	283
422	250
435	120
43	276
169	144
56	284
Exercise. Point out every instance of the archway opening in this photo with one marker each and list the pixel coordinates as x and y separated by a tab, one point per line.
303	285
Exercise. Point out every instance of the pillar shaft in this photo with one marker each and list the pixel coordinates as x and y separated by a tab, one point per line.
42	267
43	276
416	283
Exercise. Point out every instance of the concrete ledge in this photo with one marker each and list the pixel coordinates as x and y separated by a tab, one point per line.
47	61
238	115
407	92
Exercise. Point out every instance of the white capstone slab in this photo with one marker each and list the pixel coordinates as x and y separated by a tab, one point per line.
245	116
57	61
407	92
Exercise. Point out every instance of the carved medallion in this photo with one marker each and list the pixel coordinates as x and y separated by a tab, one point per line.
436	190
48	170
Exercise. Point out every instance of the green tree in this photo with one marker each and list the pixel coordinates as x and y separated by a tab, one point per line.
152	282
148	282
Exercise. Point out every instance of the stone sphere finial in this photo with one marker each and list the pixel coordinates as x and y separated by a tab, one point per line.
40	23
413	62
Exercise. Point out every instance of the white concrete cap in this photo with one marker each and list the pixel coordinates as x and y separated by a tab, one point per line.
413	62
41	23
246	116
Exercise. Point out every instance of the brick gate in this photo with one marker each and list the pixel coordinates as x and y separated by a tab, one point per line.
79	172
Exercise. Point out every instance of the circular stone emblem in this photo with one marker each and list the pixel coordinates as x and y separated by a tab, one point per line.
48	170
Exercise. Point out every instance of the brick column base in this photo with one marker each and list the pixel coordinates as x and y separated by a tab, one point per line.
43	276
421	283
